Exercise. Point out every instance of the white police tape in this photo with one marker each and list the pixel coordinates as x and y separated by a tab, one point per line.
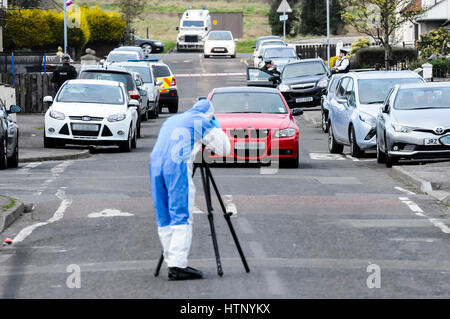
186	75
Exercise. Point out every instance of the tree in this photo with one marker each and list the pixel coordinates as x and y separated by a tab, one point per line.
25	3
130	9
274	18
313	17
380	18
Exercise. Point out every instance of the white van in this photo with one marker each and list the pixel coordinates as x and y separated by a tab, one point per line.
194	27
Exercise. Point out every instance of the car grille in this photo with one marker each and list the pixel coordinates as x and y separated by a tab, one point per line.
219	50
249	133
303	86
80	118
191	38
84	133
432	131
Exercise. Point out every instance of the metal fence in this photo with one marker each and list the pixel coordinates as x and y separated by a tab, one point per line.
27	62
315	51
30	90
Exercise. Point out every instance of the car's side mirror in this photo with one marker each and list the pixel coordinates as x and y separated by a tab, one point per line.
102	61
260	57
48	99
254	47
142	92
342	100
14	109
296	111
385	108
177	28
138	83
300	55
206	28
159	83
133	103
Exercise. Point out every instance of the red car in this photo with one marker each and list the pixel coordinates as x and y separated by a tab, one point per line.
259	123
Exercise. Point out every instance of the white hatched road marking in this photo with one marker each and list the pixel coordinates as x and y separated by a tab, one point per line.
404	191
56	172
195	75
109	213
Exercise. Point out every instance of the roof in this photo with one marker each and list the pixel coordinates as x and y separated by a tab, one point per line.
115	51
94	82
240	89
99	68
384	74
424	85
269	37
131	63
128	48
307	60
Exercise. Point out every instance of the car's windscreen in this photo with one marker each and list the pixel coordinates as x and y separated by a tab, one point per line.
271	53
144	72
90	93
224	36
258	42
375	91
303	69
423	98
122	57
161	71
109	76
192	23
275	42
248	102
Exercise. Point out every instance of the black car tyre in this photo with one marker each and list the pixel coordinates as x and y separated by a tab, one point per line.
147	48
139	128
173	108
127	145
3	155
154	114
381	157
324	122
14	160
134	141
50	142
144	117
354	148
333	146
390	161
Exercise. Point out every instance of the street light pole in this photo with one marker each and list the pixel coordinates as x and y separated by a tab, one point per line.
328	32
284	23
65	27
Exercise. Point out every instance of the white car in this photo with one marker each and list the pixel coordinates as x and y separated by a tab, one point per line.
220	43
91	112
121	56
263	44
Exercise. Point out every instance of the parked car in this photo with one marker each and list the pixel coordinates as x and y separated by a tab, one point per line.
149	83
149	46
168	92
91	112
260	39
353	111
414	122
264	43
219	43
131	80
253	118
9	137
121	56
137	49
279	54
327	96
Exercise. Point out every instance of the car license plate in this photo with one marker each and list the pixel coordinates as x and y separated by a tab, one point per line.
304	99
431	141
219	50
445	140
250	145
85	127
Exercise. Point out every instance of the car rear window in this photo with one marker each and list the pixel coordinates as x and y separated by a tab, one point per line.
91	93
122	57
161	71
144	72
248	102
109	76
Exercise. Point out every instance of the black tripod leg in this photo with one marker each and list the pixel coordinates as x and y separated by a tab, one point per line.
211	220
228	219
158	267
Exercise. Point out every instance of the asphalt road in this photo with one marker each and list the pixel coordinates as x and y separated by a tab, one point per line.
324	230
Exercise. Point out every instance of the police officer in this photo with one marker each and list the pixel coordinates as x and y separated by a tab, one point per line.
173	191
342	63
64	72
270	68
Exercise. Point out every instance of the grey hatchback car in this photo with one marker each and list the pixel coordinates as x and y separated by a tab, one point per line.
414	123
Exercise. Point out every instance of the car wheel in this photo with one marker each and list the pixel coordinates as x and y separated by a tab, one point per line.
390	161
333	146
206	56
126	146
147	48
139	128
154	114
14	161
324	122
381	157
354	148
134	141
144	117
3	155
173	108
233	56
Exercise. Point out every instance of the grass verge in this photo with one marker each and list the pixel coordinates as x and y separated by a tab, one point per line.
10	205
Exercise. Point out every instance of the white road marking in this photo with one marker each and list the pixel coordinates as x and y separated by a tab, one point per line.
404	191
230	207
419	212
245	226
26	168
110	213
59	214
424	240
326	157
56	172
197	210
196	75
354	159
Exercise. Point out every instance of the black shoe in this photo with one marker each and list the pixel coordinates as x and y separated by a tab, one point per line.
187	273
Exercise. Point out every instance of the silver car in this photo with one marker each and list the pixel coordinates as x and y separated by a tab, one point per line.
353	111
328	95
414	123
9	137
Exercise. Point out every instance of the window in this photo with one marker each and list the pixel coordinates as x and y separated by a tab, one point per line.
374	91
191	23
342	87
144	72
125	78
422	98
303	69
161	71
220	36
89	93
248	102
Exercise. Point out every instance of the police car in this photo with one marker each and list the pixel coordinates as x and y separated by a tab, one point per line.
168	92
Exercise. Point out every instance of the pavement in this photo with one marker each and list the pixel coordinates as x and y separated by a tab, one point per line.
10	210
430	177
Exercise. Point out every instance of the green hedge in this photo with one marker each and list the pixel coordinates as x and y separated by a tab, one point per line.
441	67
373	55
105	27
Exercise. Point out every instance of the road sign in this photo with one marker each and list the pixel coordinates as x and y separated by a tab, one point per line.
283	17
284	7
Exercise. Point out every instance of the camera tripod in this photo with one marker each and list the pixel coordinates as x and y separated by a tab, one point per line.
207	180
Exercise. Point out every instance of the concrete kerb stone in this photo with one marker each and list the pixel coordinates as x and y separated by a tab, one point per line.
80	155
424	185
11	214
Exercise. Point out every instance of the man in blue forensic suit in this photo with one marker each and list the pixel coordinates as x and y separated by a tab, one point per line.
173	191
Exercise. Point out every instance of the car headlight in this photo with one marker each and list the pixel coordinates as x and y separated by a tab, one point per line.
181	37
284	88
369	119
117	117
402	128
323	83
57	115
158	43
287	132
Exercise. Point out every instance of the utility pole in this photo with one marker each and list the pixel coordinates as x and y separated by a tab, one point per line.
65	27
284	8
328	32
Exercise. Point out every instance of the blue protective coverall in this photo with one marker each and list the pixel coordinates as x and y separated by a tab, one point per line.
171	166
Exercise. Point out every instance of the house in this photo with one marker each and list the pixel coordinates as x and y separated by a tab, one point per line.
436	15
3	6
